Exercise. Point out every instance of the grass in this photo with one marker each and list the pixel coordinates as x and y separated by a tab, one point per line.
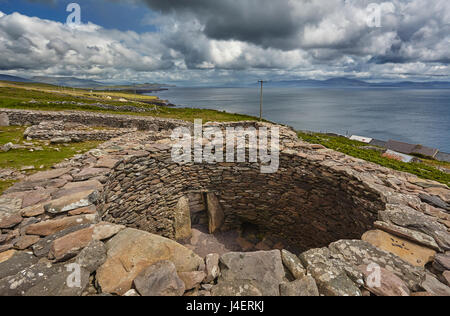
41	160
353	148
18	96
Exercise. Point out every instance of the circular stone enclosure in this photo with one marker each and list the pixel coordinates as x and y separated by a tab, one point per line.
305	203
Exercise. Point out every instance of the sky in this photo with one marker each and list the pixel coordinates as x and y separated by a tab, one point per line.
215	42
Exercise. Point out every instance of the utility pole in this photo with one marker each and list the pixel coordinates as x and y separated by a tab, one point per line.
261	101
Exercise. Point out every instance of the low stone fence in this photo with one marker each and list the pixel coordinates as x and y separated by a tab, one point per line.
144	123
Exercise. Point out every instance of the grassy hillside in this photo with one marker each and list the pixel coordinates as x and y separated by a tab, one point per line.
425	170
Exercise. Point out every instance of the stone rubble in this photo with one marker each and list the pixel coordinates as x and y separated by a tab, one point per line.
113	211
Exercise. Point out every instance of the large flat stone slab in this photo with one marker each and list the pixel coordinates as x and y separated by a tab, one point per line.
263	270
131	251
51	227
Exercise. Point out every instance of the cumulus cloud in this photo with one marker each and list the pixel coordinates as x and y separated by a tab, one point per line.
290	38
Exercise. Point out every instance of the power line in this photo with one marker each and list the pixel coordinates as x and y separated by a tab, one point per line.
261	100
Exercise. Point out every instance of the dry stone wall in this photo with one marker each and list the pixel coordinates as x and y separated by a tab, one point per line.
318	198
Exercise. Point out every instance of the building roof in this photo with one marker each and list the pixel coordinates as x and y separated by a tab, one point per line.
406	148
362	139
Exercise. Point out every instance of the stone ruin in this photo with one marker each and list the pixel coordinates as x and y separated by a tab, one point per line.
127	213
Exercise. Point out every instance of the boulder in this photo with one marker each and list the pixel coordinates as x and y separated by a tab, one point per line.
23	242
215	213
182	219
192	279
33	211
212	267
435	201
306	286
242	288
131	251
47	175
6	255
433	286
10	221
159	279
69	245
442	262
92	257
72	202
382	282
358	252
51	227
333	277
412	219
42	247
293	264
264	270
16	263
415	254
9	207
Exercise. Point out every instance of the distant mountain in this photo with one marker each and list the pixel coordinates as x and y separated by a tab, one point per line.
346	82
68	82
13	78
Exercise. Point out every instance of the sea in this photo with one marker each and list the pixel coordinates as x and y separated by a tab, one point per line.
418	116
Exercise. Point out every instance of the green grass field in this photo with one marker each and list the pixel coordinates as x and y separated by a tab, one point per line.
17	96
353	148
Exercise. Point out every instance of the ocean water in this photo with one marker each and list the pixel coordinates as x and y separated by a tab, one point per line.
409	115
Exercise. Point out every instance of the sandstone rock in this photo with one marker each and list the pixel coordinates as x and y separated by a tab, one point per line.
215	213
409	218
72	202
26	241
412	235
84	185
414	254
92	257
104	230
47	175
70	245
382	282
51	227
42	247
212	267
37	196
306	286
192	279
293	264
264	270
242	288
60	285
442	193
5	256
442	262
160	279
89	173
182	219
433	286
131	251
16	263
106	162
10	221
91	209
435	201
26	278
4	119
9	207
331	275
33	211
358	252
446	276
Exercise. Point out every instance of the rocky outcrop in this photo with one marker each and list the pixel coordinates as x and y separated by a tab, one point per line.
320	203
